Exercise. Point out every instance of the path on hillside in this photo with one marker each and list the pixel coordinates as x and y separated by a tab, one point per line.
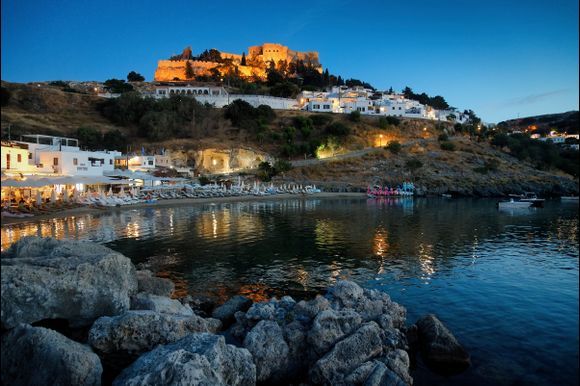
350	154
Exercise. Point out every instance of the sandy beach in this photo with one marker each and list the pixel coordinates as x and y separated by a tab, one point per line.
174	202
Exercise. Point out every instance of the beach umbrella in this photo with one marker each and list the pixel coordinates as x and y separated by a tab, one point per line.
38	198
110	192
53	196
65	195
122	192
75	194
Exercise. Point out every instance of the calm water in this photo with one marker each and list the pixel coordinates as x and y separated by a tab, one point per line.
506	283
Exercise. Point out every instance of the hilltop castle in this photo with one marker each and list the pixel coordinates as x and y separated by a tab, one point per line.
257	61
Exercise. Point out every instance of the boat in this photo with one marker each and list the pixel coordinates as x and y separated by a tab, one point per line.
512	204
446	195
529	197
569	198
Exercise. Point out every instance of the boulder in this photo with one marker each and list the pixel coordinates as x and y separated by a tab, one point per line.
346	294
197	359
381	375
348	354
140	331
439	348
39	356
398	361
262	311
269	350
146	282
330	326
162	304
306	311
226	312
45	278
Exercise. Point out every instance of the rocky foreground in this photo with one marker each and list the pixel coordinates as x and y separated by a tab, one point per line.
76	313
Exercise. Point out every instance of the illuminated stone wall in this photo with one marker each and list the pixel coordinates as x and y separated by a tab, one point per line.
257	57
219	161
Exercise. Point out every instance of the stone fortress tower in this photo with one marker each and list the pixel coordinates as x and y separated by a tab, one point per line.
257	61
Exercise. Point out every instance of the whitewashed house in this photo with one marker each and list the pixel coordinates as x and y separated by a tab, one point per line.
63	156
16	159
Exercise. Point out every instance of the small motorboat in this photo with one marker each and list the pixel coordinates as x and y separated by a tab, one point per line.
446	195
512	204
529	197
569	198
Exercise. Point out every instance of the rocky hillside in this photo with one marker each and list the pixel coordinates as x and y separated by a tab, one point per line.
469	166
567	122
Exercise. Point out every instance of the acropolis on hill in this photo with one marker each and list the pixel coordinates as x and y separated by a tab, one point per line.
257	61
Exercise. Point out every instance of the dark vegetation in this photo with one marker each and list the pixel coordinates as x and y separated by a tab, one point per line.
437	102
544	155
155	119
447	146
267	171
135	77
93	139
394	147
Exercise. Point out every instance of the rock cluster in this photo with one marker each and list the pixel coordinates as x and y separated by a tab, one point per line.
350	336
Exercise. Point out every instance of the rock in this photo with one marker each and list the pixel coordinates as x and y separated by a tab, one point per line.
39	356
201	305
306	311
268	348
346	293
45	278
197	359
381	375
262	311
360	374
439	348
146	282
299	354
348	354
398	361
140	331
145	301
226	311
330	326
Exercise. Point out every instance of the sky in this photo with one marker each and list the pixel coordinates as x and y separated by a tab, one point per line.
503	59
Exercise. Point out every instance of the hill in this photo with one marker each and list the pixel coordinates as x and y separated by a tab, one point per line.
567	122
438	157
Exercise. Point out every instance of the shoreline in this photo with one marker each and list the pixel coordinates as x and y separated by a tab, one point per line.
172	202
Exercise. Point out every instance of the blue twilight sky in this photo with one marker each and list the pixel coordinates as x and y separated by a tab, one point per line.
500	58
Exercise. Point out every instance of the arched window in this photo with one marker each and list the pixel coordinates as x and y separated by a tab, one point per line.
205	92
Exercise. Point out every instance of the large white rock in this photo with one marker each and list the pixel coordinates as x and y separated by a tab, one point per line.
39	356
139	331
268	348
197	359
45	278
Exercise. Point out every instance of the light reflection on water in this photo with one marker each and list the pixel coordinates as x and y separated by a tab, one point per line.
505	282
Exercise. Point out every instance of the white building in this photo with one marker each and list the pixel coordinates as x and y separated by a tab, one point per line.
63	156
16	158
136	163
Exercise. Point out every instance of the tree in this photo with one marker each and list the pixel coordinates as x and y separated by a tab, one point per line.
135	77
354	116
326	77
243	61
188	70
339	81
394	147
4	96
391	91
89	137
117	86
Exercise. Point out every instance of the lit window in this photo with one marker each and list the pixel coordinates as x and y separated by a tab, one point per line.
75	161
55	161
19	157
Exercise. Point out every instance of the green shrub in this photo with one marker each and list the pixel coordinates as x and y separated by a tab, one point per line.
442	137
304	125
338	129
203	180
413	164
281	166
393	121
383	123
354	116
394	147
5	95
447	146
320	120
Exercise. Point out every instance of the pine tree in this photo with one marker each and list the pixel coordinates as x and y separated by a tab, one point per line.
340	81
188	70
243	61
326	77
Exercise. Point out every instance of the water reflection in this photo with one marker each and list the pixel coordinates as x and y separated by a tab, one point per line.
486	272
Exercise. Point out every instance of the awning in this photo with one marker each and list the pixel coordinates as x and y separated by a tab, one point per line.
37	181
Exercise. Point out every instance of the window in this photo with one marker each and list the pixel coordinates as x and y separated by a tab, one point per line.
55	161
29	155
150	163
19	157
111	161
75	161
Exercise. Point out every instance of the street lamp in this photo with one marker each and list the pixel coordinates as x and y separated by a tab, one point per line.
380	140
